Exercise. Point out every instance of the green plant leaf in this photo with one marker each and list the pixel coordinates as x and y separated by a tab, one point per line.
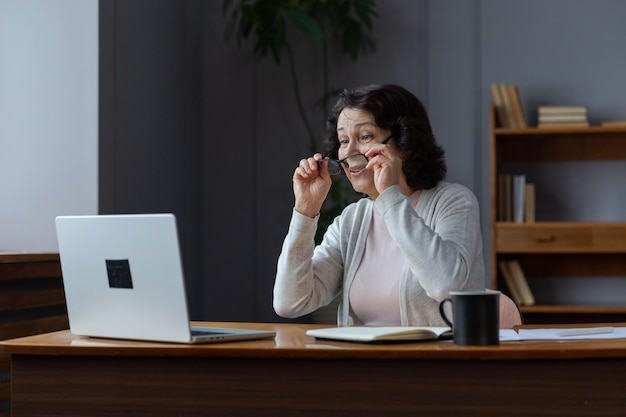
333	12
324	101
250	14
278	40
352	39
364	10
348	22
306	24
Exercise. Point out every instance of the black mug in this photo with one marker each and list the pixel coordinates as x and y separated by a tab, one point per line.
475	317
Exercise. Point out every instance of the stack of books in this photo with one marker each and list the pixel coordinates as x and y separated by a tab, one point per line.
562	116
506	100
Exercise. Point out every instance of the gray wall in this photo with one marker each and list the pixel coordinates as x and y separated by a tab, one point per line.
564	52
193	125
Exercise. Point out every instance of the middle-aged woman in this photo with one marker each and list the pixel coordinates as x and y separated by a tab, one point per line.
395	255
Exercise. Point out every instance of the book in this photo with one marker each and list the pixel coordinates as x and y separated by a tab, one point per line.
529	203
508	107
508	195
562	124
498	104
516	105
519	205
374	334
501	198
505	201
562	116
521	282
562	110
509	280
515	199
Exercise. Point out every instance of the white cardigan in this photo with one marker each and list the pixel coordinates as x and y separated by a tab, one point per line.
441	240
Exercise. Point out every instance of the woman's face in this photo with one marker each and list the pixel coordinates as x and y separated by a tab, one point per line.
357	132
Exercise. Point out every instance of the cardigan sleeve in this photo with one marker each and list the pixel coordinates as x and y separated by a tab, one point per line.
307	277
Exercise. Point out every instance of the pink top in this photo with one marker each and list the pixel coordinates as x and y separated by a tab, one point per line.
375	291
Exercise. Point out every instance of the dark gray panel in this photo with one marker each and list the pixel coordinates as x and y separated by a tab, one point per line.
151	120
229	195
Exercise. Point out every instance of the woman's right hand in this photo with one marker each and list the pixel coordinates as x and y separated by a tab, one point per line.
311	184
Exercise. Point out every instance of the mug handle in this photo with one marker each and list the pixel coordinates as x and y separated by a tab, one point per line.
443	313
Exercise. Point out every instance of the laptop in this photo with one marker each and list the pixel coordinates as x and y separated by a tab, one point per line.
123	279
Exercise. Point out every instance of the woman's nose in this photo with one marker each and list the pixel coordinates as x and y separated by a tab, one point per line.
352	148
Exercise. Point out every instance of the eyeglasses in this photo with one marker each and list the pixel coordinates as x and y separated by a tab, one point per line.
356	161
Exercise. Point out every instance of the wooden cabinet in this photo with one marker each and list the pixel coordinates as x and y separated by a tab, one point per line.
32	301
552	248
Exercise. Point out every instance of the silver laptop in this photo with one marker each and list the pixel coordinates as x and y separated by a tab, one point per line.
123	279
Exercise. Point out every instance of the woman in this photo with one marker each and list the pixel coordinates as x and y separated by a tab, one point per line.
392	256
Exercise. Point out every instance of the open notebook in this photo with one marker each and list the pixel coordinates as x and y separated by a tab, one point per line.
123	279
373	334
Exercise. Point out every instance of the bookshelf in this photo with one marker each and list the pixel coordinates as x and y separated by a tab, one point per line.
566	250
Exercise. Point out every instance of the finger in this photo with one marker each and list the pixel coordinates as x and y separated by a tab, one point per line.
375	158
306	164
373	164
299	173
315	161
375	151
323	164
307	167
303	169
312	164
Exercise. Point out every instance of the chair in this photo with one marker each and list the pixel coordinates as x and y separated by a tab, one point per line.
509	313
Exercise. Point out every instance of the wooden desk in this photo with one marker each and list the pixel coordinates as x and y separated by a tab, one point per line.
58	374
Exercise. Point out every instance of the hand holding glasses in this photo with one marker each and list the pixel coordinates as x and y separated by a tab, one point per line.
356	161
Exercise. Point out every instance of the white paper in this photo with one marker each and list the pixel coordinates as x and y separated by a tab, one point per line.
508	335
586	333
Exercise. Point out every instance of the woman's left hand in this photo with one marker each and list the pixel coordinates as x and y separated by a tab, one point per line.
386	163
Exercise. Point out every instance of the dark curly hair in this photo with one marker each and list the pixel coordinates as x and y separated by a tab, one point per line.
399	111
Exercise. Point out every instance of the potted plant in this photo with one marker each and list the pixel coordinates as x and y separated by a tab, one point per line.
347	23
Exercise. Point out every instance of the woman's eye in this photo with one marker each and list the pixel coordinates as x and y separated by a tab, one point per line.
343	142
366	138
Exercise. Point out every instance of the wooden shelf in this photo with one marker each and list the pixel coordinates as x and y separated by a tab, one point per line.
573	144
560	237
562	250
572	309
550	314
552	131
